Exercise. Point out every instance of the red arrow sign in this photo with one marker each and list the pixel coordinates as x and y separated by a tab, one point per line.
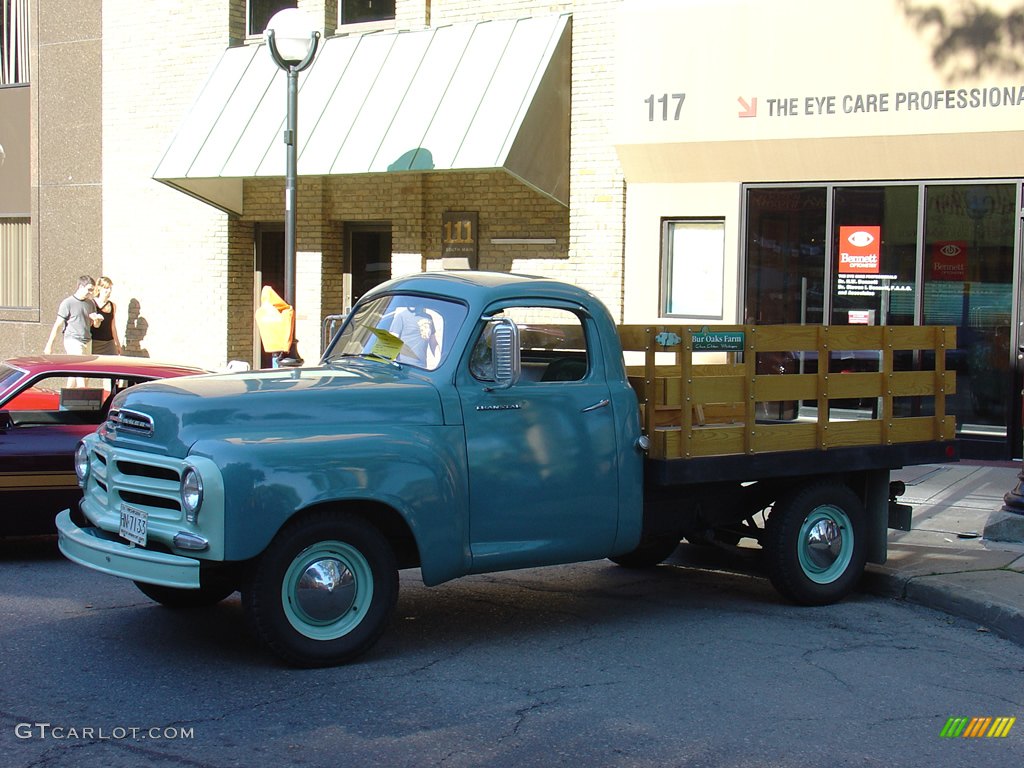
749	110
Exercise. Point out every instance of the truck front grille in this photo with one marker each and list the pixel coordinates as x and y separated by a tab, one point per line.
148	481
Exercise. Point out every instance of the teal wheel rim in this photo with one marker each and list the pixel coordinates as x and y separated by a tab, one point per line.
825	544
327	590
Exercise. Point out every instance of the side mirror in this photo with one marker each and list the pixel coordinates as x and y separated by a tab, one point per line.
505	353
6	422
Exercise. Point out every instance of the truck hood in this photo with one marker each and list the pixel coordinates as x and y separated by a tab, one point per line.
170	415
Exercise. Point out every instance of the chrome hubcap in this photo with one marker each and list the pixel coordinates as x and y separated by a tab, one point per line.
824	543
326	589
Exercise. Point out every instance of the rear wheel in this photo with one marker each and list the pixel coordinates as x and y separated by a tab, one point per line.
815	543
324	590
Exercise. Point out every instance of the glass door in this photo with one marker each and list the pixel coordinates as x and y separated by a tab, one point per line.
873	277
968	282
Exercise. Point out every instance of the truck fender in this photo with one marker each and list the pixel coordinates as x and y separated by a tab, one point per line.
419	472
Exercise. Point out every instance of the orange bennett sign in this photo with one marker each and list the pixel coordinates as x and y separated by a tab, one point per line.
859	249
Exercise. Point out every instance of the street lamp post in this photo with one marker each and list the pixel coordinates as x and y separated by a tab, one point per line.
292	44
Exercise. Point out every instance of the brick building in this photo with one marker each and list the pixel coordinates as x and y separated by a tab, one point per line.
186	271
686	161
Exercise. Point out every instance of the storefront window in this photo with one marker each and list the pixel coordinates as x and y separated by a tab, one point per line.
693	268
874	247
785	244
355	11
261	11
968	282
964	260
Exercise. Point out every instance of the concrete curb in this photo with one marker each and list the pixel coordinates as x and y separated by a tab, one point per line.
991	598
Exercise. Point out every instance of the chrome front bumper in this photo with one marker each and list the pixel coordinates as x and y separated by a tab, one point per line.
104	552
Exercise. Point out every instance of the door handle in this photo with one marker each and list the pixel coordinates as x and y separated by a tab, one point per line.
595	406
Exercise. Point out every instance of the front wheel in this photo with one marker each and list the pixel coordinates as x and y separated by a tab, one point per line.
815	543
324	590
213	589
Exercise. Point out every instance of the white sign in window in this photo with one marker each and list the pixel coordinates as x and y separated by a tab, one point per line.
693	268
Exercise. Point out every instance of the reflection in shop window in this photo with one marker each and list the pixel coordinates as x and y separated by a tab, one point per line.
881	291
693	268
968	282
357	11
261	11
785	249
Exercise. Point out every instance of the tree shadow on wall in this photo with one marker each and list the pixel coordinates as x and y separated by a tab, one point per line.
135	331
973	39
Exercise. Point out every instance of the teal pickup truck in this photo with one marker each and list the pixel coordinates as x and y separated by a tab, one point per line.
473	422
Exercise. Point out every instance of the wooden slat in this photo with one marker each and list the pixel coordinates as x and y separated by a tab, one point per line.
854	337
906	337
690	410
840	433
844	385
784	338
823	354
912	383
749	375
888	363
801	386
633	337
718	389
785	437
939	380
664	416
649	362
914	429
716	441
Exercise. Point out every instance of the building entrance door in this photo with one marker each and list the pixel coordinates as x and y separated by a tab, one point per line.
268	270
368	257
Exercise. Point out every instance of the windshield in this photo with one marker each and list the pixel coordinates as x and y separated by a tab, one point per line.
404	328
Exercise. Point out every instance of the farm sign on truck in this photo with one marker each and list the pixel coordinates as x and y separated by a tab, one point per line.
473	422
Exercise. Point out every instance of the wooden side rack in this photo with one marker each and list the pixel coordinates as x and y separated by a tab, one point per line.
773	394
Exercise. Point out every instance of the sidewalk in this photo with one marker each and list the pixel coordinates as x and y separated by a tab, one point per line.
951	560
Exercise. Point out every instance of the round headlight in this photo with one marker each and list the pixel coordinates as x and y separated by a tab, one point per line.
191	493
82	463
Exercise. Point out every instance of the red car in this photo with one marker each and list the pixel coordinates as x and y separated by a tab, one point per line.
47	404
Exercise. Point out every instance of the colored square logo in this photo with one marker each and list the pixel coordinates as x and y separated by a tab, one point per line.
859	250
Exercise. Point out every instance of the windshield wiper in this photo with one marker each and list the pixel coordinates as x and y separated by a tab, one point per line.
367	356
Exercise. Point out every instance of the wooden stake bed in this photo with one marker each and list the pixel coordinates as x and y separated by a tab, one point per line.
772	395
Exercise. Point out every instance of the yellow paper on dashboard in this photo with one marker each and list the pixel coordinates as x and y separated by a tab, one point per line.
387	345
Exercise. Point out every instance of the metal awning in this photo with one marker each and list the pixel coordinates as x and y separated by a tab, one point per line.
479	95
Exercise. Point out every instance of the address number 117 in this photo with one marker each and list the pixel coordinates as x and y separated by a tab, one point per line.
665	100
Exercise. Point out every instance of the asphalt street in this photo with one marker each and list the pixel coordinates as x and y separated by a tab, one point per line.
587	664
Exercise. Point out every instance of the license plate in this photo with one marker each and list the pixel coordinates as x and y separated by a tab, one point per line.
134	524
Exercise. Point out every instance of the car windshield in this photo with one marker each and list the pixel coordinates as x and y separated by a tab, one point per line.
401	328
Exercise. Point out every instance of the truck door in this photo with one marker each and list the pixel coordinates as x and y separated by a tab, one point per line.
543	468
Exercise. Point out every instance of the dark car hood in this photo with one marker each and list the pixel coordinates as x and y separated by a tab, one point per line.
170	415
